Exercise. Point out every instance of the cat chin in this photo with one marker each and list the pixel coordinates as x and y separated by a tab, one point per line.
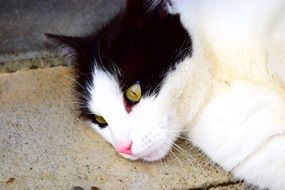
150	157
129	157
153	157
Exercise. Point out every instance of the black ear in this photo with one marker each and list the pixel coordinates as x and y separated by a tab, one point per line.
73	48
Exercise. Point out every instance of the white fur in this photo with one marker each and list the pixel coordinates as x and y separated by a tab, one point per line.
229	95
243	125
146	126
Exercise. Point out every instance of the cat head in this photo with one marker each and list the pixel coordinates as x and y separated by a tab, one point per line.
124	78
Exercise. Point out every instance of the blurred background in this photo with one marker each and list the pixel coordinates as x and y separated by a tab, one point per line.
23	22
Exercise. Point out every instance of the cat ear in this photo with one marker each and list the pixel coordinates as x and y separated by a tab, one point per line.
72	48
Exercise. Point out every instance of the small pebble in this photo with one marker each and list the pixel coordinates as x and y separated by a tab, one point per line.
77	188
11	180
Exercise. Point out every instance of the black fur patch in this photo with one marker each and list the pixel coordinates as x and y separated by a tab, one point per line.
144	44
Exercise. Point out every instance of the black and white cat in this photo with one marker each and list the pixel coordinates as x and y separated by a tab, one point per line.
213	70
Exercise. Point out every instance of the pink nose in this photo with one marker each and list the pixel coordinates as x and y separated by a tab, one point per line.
125	149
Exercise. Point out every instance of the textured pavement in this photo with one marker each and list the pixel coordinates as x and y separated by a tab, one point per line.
43	145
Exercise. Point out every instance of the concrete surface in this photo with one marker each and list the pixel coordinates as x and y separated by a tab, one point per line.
43	145
31	63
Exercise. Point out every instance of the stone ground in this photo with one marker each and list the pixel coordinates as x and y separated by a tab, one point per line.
43	145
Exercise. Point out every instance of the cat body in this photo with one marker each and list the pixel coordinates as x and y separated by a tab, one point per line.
213	71
242	125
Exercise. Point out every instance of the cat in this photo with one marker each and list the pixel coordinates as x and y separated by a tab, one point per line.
211	70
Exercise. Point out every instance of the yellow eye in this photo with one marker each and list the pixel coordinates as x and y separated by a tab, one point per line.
134	93
100	120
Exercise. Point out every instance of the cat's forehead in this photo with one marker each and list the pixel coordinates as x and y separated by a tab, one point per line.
144	51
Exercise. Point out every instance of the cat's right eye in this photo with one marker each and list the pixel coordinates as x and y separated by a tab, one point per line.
100	121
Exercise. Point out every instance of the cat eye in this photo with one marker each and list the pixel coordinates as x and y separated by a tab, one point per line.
100	120
134	93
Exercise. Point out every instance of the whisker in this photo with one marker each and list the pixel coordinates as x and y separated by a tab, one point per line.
188	156
182	130
74	80
176	136
187	153
180	162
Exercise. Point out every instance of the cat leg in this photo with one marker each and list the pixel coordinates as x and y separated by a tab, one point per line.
266	165
243	129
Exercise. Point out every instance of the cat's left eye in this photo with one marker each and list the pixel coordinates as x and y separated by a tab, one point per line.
134	93
100	120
